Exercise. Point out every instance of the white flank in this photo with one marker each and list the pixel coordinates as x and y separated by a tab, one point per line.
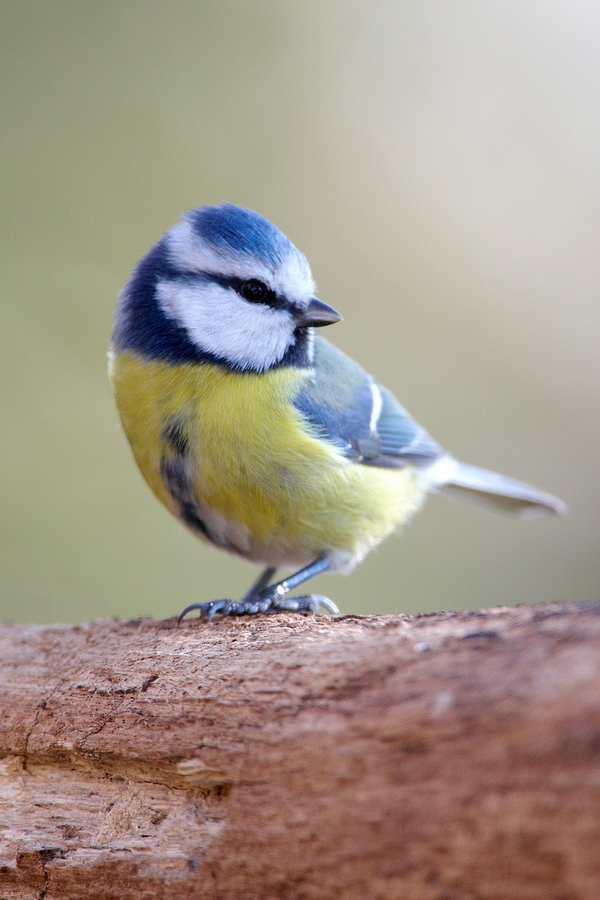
442	471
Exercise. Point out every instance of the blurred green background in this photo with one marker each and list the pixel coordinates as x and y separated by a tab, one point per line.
438	163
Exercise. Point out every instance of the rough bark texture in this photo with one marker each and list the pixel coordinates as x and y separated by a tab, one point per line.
453	756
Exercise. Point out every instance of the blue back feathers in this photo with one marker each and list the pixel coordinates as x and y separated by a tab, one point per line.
241	231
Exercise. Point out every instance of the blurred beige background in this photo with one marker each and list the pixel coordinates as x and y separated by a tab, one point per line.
438	163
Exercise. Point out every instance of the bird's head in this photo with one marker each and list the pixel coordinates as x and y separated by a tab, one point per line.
223	285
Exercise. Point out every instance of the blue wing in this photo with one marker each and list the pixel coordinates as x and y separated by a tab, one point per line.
363	419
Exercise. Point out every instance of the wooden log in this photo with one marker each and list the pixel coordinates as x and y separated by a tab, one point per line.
453	756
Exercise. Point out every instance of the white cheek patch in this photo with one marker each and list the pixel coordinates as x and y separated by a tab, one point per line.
218	321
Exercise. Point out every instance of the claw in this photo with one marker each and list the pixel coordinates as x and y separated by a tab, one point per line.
208	610
218	606
327	603
309	603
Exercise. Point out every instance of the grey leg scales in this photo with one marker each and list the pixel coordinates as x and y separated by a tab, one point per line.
263	581
265	598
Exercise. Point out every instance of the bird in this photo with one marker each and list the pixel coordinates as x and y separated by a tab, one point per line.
260	436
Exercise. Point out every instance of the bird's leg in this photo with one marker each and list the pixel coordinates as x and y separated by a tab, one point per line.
263	581
266	598
276	597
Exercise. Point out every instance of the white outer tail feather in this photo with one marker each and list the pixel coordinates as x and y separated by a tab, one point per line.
456	480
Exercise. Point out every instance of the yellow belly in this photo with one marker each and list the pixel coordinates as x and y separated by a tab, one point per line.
275	493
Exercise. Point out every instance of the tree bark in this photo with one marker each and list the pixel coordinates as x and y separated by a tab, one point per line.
453	756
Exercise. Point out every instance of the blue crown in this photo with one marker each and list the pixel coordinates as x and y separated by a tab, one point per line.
234	228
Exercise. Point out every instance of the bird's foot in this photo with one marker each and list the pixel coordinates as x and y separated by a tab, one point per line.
269	600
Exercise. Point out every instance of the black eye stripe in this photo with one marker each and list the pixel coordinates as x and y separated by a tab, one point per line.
240	286
249	290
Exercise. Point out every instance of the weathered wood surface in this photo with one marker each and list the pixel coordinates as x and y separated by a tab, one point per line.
453	756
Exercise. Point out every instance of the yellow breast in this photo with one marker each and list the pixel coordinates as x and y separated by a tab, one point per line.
263	485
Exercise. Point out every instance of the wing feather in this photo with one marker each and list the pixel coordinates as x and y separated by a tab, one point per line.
344	405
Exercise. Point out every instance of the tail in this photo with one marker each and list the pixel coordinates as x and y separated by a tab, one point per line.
457	480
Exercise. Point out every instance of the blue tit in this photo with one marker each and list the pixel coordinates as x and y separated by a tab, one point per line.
261	437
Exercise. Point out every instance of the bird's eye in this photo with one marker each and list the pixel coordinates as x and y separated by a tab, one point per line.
254	291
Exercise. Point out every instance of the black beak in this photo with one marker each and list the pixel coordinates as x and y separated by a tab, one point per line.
317	314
